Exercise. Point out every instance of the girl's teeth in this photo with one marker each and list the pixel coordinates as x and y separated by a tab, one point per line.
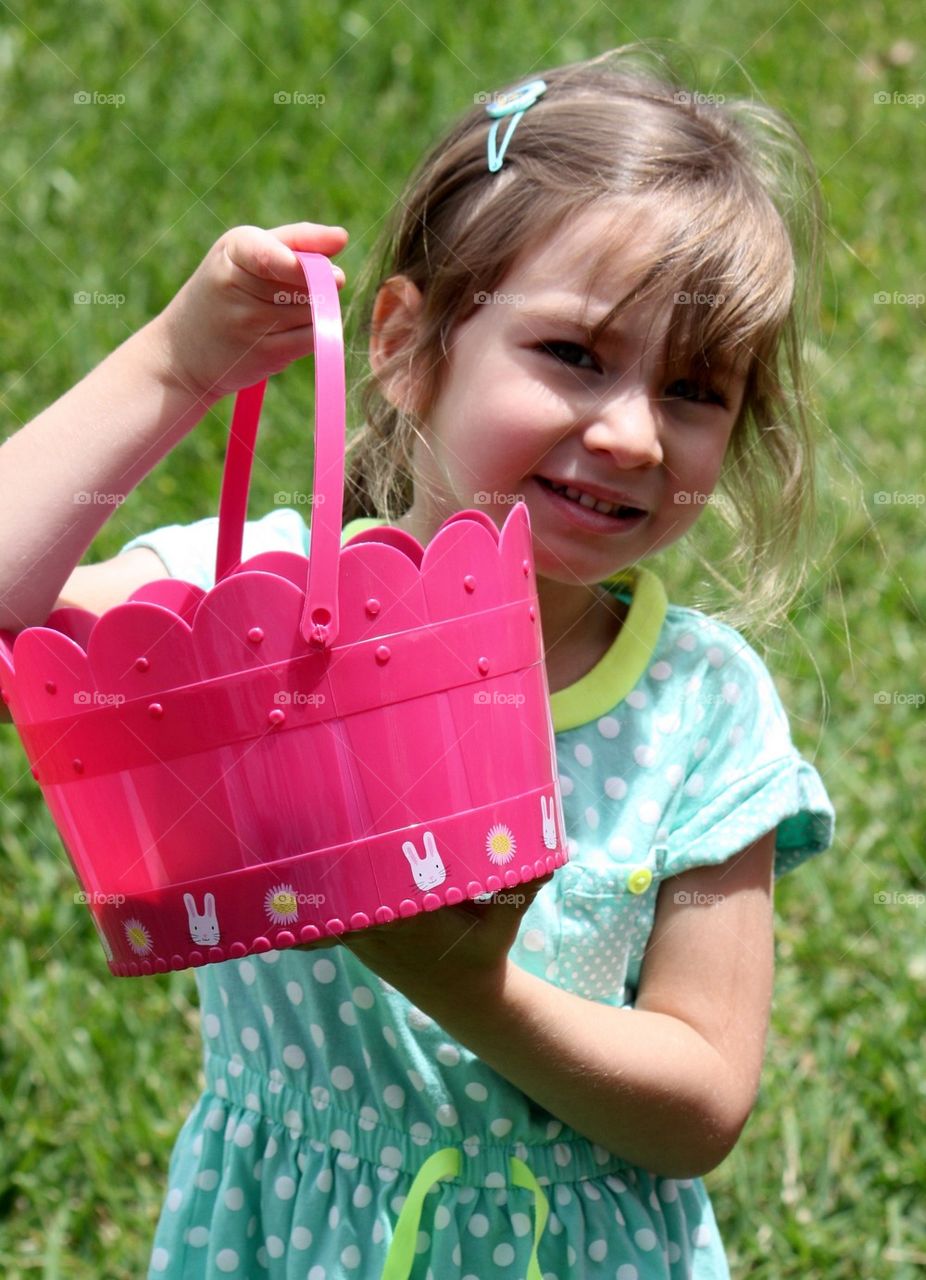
586	500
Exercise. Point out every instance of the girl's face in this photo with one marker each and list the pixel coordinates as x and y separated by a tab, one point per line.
525	401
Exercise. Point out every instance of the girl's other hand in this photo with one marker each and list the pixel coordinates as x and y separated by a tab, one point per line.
243	314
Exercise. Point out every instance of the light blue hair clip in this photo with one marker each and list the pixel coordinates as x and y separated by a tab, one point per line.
514	104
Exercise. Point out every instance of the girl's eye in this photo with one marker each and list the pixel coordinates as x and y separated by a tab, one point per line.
687	389
566	353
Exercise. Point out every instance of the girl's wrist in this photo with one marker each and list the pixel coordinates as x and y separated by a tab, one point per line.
168	367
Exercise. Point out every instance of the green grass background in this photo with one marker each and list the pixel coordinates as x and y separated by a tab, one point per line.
96	1075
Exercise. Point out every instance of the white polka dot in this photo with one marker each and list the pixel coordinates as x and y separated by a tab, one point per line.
627	1272
668	1191
566	784
520	1224
694	786
674	774
736	735
247	971
660	670
301	1237
249	1038
583	755
731	692
208	1180
234	1198
244	1135
211	1025
394	1096
670	723
478	1225
342	1077
620	847
608	727
448	1054
285	1187
198	1236
645	1239
637	699
701	1236
616	788
645	756
275	1246
649	811
174	1198
351	1256
533	940
294	1057
478	1092
700	748
500	1127
347	1013
324	971
391	1157
446	1114
226	1260
598	1250
503	1255
591	818
715	656
159	1260
687	641
363	997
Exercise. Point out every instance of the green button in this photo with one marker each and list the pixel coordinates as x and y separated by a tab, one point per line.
640	880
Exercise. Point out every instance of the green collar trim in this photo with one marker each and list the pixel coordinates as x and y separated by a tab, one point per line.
615	674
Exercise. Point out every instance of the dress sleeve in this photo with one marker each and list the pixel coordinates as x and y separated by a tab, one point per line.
745	776
188	550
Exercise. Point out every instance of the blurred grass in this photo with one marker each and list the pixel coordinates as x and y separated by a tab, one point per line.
96	1074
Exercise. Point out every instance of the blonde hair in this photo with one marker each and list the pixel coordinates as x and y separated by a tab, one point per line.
735	198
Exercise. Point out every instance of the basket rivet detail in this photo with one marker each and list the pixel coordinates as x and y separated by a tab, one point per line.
255	635
383	654
142	664
155	710
78	765
277	716
373	606
50	687
469	582
533	613
525	567
483	665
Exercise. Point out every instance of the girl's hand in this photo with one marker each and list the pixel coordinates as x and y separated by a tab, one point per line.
234	322
452	947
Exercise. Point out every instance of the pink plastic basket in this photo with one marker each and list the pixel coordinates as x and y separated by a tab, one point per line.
313	745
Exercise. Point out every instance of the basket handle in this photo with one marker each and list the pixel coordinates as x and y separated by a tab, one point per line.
319	623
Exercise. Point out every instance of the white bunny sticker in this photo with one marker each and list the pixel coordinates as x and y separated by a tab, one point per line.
203	928
549	823
428	871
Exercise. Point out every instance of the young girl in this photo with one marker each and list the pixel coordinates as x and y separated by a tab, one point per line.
593	303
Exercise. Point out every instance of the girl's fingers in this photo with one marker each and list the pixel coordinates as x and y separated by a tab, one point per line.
268	257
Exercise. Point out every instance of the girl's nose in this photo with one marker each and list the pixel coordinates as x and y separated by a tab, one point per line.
627	427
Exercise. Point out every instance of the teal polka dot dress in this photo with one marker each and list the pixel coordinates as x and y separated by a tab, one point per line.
343	1135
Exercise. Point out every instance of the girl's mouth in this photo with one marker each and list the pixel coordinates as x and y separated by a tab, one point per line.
614	519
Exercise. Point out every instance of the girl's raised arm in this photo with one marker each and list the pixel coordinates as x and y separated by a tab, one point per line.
63	474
